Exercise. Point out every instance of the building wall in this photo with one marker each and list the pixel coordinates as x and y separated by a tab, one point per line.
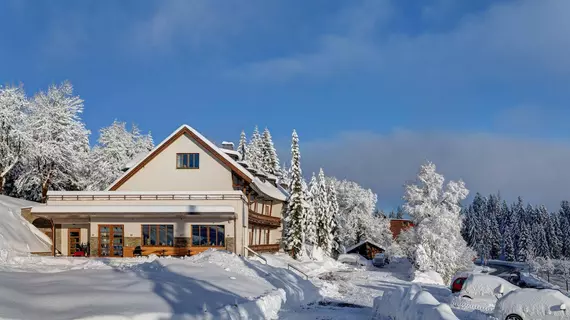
63	234
160	174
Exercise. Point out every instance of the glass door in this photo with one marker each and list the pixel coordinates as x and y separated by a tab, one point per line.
73	241
111	240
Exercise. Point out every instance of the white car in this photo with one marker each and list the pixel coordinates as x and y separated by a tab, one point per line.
485	287
531	304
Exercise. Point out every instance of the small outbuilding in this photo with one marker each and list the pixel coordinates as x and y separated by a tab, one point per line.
366	248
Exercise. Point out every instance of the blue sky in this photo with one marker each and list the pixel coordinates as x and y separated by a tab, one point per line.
374	88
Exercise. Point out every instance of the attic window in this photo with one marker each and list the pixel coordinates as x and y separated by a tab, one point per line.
187	160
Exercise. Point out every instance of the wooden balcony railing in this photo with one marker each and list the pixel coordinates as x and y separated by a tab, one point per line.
259	248
262	219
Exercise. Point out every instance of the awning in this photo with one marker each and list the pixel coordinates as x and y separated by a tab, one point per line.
134	211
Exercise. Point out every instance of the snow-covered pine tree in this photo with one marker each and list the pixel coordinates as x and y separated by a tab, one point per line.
311	215
254	150
297	206
116	147
556	236
526	244
269	154
60	147
493	214
14	134
334	239
565	235
242	146
356	207
399	213
321	205
517	213
435	212
509	246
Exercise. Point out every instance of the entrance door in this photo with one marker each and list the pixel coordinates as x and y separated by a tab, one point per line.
73	241
111	239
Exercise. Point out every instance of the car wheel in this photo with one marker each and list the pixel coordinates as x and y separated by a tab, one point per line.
468	297
513	317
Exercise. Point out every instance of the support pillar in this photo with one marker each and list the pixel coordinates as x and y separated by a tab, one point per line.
52	238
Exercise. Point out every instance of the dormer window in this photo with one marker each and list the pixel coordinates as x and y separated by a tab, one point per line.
187	160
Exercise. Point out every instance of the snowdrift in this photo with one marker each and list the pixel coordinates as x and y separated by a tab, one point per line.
16	233
411	303
428	277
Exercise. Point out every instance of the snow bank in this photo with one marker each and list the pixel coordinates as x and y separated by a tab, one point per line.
428	277
354	259
411	303
16	233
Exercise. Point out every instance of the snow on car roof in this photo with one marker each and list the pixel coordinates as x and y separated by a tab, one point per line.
484	285
532	303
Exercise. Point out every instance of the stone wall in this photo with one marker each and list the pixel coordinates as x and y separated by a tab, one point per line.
58	235
230	244
132	241
182	242
93	246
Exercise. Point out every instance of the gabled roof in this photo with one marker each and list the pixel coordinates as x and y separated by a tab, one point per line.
200	139
363	242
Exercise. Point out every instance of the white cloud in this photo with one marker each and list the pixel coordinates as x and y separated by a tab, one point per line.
537	169
504	42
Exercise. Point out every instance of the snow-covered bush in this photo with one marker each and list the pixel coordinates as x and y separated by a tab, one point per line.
437	243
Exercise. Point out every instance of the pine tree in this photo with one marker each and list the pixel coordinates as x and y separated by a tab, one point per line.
509	249
517	214
565	235
399	213
493	213
311	218
556	236
323	215
297	206
60	146
14	133
254	150
242	147
526	244
334	239
269	155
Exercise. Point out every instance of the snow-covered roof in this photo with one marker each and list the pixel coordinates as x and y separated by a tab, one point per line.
139	157
232	152
211	145
133	209
361	243
267	189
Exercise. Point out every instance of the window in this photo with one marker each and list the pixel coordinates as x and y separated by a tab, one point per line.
158	235
187	160
208	236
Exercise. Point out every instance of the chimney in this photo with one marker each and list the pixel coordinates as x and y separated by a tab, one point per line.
228	145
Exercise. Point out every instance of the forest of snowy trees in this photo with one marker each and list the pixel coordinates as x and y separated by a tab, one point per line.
44	144
517	231
325	213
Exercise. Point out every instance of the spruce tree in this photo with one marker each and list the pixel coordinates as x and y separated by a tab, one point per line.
509	249
269	159
254	150
334	239
399	213
526	244
242	147
311	215
297	206
492	215
322	211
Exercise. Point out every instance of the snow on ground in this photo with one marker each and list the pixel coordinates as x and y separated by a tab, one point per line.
212	285
17	234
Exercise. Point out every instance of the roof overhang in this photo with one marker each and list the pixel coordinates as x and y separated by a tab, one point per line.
133	211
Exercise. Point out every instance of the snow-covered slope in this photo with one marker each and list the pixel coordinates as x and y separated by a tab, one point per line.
17	234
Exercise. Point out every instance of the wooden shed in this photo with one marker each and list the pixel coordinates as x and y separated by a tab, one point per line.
366	248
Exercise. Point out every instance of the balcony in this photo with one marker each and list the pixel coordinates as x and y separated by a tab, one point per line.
261	219
260	248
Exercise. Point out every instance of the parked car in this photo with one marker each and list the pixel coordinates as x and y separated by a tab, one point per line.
353	259
485	287
530	304
379	260
457	284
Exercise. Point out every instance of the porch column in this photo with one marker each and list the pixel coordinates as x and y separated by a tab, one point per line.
52	238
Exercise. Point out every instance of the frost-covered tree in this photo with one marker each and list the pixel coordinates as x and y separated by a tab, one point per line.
60	147
323	214
356	208
297	206
435	211
334	238
269	159
14	134
116	147
254	151
526	244
563	268
509	249
311	215
242	147
399	213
